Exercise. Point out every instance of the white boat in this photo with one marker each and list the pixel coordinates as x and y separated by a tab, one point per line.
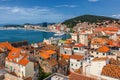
59	34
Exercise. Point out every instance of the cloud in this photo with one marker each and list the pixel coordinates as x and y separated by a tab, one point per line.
116	15
33	14
93	0
68	6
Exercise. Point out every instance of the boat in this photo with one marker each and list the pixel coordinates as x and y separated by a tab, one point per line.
59	34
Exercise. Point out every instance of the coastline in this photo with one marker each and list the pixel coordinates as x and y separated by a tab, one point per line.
32	35
56	33
18	28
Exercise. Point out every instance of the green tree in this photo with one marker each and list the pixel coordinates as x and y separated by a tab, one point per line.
41	74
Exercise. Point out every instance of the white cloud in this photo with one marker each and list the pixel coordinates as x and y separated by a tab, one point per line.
34	14
116	15
69	6
93	0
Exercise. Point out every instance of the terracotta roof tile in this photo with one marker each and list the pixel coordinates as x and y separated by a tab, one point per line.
65	56
113	61
68	41
107	29
62	62
113	43
103	49
53	62
100	41
46	54
28	78
68	47
79	45
76	76
50	51
6	45
77	57
110	33
24	61
14	53
100	59
111	71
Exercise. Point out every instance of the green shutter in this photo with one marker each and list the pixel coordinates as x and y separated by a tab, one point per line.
11	68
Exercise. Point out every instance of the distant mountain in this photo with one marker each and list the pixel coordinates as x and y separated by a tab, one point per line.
44	24
1	25
13	25
87	18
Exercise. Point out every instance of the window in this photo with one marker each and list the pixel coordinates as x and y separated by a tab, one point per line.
71	64
40	58
81	63
109	53
88	58
103	53
10	68
91	51
14	69
6	65
75	48
76	65
97	53
2	62
65	52
22	72
53	70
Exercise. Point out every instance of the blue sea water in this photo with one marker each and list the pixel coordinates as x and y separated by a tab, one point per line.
30	35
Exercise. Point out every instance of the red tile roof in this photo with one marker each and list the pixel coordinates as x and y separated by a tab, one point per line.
65	56
24	61
68	41
46	54
113	43
68	47
111	71
28	78
62	62
77	57
100	59
14	53
6	45
103	49
100	41
113	61
53	62
107	29
79	45
76	76
109	32
50	51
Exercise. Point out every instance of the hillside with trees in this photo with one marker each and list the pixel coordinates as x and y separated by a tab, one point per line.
88	18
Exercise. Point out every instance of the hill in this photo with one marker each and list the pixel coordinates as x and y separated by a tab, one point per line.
87	18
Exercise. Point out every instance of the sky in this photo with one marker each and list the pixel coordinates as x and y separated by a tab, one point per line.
37	11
